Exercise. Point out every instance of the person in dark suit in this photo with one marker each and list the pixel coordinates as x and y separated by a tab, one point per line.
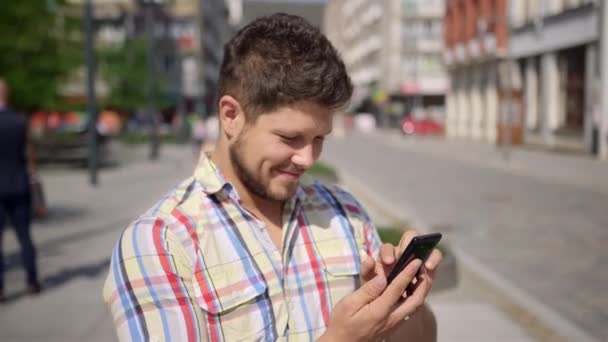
15	194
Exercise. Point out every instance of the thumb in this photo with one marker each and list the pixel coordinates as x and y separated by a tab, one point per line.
368	292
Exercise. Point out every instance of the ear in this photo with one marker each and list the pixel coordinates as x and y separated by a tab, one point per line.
231	115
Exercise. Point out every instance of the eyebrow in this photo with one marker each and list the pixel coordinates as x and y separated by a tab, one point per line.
296	132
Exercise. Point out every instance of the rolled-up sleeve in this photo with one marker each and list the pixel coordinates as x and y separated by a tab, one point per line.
149	286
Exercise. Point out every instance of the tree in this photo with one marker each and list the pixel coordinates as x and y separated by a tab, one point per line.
40	45
124	70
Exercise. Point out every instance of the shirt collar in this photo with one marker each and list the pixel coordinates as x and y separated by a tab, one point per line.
209	176
212	181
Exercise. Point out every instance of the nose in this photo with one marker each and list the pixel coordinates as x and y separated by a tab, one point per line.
304	157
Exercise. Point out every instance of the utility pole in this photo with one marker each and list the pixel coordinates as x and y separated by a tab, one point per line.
507	108
151	82
603	116
91	105
199	106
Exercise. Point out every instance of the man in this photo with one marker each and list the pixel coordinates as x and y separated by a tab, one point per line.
15	189
243	250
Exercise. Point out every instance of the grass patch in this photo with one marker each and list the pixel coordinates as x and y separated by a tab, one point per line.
323	172
392	235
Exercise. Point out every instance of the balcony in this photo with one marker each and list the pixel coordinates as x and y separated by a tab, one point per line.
572	27
364	48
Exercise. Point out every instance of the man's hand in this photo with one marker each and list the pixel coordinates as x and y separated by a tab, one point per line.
389	255
375	310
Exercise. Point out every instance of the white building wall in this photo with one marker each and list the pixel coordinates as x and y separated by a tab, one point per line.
451	121
549	96
464	109
518	12
476	102
531	94
491	104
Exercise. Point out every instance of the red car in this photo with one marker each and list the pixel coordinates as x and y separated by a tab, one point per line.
411	126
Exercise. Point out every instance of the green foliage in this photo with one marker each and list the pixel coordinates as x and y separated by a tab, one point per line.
124	68
390	235
40	45
323	172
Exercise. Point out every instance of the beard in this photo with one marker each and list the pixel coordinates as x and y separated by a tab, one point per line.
249	179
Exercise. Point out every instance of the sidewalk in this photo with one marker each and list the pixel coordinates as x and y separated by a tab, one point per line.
572	175
578	170
74	245
469	309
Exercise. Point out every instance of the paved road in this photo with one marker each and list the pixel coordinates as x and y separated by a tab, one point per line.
547	236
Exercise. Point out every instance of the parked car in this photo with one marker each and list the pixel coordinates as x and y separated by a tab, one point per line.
426	126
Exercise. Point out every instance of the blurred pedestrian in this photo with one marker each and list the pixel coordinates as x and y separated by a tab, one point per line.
198	134
244	251
15	193
212	125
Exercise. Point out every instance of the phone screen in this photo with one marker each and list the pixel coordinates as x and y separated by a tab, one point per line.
419	248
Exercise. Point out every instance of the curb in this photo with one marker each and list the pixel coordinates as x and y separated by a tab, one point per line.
547	316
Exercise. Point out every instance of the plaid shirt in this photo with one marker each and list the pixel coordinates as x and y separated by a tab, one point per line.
199	267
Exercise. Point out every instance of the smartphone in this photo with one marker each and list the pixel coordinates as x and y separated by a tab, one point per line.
420	247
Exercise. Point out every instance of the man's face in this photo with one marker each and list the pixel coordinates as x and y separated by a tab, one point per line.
270	155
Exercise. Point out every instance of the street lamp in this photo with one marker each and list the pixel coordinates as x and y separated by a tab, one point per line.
91	105
148	6
603	119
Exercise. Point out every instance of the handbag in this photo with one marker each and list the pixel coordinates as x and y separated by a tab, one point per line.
39	207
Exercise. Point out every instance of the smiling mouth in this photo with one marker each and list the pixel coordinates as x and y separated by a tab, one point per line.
294	175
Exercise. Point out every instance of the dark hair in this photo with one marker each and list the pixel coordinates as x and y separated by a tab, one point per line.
280	60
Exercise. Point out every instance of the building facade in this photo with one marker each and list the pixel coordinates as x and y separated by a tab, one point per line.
555	44
393	52
524	70
476	34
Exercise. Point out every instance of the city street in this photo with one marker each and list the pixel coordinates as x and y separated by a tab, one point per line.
483	120
511	220
75	242
542	228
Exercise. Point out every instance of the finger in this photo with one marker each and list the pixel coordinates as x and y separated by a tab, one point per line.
380	269
432	262
405	240
423	275
365	294
414	301
387	254
367	268
395	290
387	257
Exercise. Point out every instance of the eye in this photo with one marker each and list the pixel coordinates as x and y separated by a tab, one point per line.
287	138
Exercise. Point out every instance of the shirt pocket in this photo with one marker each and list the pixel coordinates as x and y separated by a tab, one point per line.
341	265
235	301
